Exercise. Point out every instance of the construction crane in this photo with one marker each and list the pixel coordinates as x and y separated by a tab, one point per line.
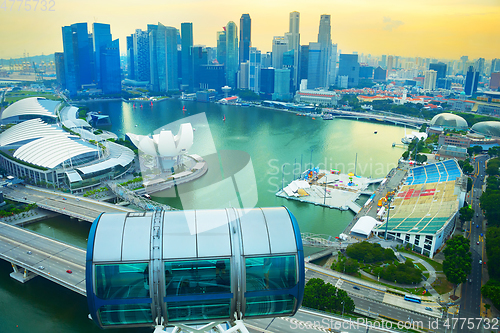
38	74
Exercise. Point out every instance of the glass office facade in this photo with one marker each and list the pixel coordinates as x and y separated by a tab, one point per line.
193	269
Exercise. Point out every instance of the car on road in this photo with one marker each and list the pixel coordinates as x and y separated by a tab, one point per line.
69	271
41	267
470	280
428	308
477	215
29	252
477	242
480	262
64	198
356	287
477	225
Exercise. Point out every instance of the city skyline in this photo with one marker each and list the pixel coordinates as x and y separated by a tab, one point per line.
446	30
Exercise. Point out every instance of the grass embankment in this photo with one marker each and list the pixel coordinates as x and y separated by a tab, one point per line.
18	95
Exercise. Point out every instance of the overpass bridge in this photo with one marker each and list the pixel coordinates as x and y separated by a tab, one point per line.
31	254
403	121
81	208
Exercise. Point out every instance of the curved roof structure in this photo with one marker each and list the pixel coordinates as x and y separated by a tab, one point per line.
364	226
489	128
49	152
29	130
32	106
119	155
449	120
165	144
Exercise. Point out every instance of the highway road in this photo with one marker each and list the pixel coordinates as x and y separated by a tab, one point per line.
83	208
470	306
44	256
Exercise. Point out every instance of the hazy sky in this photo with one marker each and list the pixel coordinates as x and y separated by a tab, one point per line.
425	28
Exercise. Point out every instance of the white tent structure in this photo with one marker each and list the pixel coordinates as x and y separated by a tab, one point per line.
364	226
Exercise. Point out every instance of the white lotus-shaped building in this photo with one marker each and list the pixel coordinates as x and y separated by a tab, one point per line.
165	145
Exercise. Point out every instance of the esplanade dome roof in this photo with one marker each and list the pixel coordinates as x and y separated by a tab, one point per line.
488	128
449	120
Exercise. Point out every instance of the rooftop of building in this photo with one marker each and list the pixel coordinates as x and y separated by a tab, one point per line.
32	106
427	201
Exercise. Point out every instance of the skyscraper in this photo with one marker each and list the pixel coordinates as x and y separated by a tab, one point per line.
163	58
471	80
495	66
281	84
60	74
294	44
221	46
231	53
77	56
255	56
325	41
141	55
245	37
109	68
430	78
349	66
101	37
440	69
303	62
280	46
187	56
130	57
314	73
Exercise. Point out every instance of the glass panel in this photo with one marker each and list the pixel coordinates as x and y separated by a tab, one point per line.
118	281
271	273
197	277
197	310
266	305
125	314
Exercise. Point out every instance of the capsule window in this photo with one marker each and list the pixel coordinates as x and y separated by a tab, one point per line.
197	277
125	314
269	305
121	281
270	273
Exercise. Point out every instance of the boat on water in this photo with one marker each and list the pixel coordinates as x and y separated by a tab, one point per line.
328	117
224	119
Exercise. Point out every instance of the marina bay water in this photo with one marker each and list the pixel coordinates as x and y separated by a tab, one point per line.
272	138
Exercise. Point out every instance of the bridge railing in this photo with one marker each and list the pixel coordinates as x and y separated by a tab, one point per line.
317	240
134	198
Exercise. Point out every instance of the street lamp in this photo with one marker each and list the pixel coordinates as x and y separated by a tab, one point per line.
342	309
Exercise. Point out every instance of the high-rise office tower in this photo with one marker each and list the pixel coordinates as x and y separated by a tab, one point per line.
244	75
255	58
464	60
390	63
495	66
187	56
495	81
294	44
231	53
440	69
221	47
349	66
303	62
281	84
101	37
245	37
479	66
325	41
430	78
163	58
141	56
60	74
333	66
77	56
200	58
314	69
280	46
109	68
130	57
471	81
267	81
383	61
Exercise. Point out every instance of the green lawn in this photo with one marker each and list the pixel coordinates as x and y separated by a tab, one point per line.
418	291
437	266
18	95
442	286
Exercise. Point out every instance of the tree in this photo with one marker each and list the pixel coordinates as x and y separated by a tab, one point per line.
421	158
491	290
457	263
466	213
493	167
423	128
469	184
325	297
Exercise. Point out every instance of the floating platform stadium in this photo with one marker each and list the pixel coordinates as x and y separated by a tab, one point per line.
330	189
424	209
